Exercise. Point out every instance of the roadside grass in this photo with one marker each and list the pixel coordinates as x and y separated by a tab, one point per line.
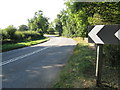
79	71
7	47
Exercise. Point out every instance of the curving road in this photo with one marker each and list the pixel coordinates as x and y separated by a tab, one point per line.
35	66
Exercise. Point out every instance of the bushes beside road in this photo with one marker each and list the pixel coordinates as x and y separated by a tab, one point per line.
11	33
27	35
13	38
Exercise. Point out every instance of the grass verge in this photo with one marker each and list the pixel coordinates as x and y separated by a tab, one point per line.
7	47
79	72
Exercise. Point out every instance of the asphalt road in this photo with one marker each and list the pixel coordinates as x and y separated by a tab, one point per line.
36	66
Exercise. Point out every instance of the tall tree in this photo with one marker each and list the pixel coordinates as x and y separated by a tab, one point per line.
58	24
38	22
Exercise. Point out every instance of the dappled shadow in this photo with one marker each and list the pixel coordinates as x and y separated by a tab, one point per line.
36	70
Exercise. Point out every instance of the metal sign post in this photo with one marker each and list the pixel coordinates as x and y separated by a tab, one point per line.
102	34
99	64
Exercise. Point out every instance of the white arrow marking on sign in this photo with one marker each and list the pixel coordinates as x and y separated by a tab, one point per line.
117	34
93	34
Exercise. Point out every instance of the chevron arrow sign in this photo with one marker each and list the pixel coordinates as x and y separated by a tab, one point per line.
104	34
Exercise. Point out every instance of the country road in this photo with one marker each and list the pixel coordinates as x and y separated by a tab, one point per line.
36	66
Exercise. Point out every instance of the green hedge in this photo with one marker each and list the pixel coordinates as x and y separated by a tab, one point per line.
19	35
31	34
112	55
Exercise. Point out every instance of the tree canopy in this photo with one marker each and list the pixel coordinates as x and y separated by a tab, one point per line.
23	28
74	20
38	22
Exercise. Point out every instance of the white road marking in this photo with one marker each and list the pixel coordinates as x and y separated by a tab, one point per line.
23	56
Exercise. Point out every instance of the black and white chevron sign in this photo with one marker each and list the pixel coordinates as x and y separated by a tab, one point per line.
104	34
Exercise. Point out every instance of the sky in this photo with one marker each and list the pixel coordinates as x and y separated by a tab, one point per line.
17	12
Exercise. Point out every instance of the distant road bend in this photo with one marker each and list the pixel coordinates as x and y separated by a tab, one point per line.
35	66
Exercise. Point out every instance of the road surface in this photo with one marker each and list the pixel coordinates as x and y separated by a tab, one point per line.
36	66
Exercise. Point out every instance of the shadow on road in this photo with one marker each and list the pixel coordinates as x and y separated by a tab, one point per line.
36	70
